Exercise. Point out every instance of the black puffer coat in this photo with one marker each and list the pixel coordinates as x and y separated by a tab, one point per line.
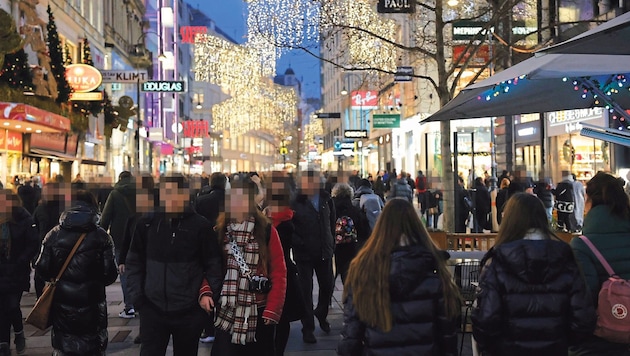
15	263
313	238
79	310
532	300
420	326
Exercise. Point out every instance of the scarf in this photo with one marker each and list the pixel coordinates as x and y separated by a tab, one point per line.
238	312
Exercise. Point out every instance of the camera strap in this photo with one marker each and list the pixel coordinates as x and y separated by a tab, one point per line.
238	256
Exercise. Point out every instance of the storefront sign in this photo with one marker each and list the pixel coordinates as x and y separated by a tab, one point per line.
481	57
396	6
27	113
194	128
10	140
124	76
156	134
528	132
355	134
52	141
386	121
164	86
467	30
364	99
188	33
93	96
568	121
83	78
404	74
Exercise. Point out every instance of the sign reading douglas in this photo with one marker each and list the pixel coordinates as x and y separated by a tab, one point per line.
164	86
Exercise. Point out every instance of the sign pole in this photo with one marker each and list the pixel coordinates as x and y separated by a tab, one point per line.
138	125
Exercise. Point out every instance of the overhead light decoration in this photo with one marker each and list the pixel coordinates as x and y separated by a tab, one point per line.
312	130
602	93
500	88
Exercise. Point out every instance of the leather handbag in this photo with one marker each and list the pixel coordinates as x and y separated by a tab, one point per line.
39	316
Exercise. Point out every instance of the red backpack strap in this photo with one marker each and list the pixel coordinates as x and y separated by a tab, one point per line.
597	254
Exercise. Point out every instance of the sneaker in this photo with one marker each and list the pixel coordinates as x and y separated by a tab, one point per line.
323	323
207	339
137	340
127	314
20	342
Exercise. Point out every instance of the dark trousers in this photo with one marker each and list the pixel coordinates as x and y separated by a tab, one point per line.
10	314
283	329
157	328
264	345
325	279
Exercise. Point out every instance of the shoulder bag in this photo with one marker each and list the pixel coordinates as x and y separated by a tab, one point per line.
39	315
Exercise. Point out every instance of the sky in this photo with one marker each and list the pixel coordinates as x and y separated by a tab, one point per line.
230	16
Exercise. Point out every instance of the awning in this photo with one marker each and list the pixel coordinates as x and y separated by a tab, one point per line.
25	118
36	152
93	162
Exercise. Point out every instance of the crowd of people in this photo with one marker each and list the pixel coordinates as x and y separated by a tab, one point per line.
231	260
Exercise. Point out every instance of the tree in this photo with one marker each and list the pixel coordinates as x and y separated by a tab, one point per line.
355	37
16	72
56	60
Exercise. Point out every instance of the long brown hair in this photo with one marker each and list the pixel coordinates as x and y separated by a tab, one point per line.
606	189
368	275
523	211
261	223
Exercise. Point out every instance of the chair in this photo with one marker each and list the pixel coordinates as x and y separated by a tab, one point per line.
467	279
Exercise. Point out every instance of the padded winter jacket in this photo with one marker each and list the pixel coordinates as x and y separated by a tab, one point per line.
532	300
79	309
420	325
15	261
611	235
168	259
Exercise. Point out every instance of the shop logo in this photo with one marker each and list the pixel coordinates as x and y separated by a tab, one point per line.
83	78
164	86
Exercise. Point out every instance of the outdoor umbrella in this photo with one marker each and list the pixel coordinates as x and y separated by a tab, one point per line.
552	81
610	37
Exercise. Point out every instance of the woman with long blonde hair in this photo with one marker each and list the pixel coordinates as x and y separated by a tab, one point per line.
399	296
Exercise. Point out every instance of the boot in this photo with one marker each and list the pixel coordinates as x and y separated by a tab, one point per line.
4	349
20	342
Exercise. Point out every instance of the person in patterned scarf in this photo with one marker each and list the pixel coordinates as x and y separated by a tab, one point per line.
246	316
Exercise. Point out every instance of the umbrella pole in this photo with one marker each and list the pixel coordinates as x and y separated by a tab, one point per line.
594	88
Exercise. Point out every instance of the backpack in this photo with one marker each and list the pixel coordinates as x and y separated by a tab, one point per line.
613	322
345	231
421	183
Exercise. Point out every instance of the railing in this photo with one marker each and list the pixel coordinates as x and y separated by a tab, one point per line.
474	242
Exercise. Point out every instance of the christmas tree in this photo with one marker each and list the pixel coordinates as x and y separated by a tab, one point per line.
56	60
16	72
109	113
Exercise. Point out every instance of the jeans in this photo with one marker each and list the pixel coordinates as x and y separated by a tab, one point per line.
10	314
157	328
123	282
325	279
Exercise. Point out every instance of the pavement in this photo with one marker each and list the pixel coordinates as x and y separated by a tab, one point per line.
123	331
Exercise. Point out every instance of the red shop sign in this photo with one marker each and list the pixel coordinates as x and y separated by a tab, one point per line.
194	128
11	140
367	99
188	33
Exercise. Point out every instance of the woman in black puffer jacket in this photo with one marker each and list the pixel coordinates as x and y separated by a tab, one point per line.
532	298
79	310
399	297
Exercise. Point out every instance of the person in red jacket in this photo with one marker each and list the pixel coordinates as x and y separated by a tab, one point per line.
421	189
255	277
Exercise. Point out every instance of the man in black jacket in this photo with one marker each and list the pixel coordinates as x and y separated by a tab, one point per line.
171	253
211	200
313	247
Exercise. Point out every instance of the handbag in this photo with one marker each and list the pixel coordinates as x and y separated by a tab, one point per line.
39	316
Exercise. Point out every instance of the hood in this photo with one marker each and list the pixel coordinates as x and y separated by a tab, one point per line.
420	260
402	181
284	215
126	186
19	213
533	261
363	190
342	204
80	217
599	220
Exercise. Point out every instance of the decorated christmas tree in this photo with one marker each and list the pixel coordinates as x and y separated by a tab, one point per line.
56	60
16	72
